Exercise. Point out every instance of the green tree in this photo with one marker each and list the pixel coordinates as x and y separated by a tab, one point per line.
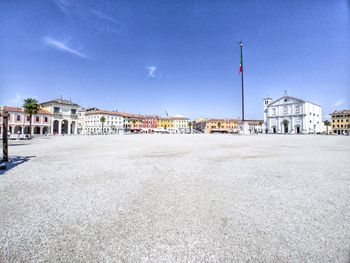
327	123
102	120
219	125
190	125
133	123
31	106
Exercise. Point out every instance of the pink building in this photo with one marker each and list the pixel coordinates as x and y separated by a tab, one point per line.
149	122
19	122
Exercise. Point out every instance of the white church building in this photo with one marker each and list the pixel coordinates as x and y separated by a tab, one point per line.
291	115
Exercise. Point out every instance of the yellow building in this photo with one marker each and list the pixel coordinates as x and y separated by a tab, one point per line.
341	122
218	125
165	123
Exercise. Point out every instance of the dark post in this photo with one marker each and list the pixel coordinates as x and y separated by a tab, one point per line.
241	70
5	122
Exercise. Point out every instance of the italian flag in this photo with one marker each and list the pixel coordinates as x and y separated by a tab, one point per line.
241	65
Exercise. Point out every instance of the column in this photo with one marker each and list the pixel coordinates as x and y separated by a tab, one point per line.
69	126
23	129
59	127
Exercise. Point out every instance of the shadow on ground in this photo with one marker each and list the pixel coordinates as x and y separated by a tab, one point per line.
14	161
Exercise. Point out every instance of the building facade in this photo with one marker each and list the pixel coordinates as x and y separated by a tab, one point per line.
149	123
217	125
180	124
341	122
64	116
254	126
19	122
291	115
165	123
114	122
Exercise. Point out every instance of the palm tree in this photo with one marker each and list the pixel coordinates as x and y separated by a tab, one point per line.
190	126
31	107
327	123
133	123
102	120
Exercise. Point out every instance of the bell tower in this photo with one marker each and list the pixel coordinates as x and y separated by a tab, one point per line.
267	101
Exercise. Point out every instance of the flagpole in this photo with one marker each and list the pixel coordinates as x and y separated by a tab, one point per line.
241	46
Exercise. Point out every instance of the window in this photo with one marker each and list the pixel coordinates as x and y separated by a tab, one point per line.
73	111
273	111
18	117
46	119
37	119
285	110
310	121
28	118
56	109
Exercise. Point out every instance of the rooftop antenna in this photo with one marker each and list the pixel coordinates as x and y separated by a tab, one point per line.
70	99
285	92
166	113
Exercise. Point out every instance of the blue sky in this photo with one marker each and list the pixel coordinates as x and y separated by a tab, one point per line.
179	56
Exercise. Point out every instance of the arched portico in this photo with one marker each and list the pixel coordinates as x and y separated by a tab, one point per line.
56	126
64	127
45	130
37	130
73	127
18	130
26	129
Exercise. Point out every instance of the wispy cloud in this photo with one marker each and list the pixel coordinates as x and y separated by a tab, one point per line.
63	5
108	23
338	103
152	72
103	16
63	46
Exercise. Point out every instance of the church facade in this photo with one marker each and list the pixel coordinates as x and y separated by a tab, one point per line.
291	115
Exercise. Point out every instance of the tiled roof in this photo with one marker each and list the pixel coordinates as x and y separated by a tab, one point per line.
341	112
103	112
222	120
179	118
18	109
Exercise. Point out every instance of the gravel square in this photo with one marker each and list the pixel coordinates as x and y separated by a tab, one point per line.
177	198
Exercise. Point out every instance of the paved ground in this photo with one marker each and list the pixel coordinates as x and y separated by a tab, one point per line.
177	198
